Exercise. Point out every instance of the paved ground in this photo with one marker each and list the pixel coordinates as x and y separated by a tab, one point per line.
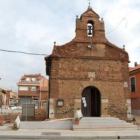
68	135
6	133
137	118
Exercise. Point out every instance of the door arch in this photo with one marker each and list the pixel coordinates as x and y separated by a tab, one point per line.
91	102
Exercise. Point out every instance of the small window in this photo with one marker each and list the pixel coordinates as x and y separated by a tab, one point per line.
33	88
90	29
23	88
33	79
36	102
27	79
133	84
11	97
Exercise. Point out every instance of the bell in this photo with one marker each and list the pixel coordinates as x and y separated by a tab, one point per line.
89	33
89	30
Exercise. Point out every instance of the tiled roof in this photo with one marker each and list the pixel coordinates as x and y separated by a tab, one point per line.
134	68
30	75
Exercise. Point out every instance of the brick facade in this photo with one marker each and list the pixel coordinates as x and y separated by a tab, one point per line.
75	66
36	89
134	74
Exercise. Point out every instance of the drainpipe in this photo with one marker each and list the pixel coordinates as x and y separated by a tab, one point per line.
49	98
49	73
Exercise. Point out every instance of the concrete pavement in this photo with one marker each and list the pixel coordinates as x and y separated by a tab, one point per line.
7	133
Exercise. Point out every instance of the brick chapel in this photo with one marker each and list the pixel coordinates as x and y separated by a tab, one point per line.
88	73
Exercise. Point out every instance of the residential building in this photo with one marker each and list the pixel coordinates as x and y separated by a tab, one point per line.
32	88
134	73
8	97
88	73
11	98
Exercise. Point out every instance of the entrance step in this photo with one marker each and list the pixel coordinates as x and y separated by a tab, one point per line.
103	124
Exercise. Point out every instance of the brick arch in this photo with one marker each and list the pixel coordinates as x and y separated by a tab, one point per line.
90	28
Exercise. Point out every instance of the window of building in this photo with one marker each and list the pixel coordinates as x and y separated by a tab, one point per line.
23	88
27	79
33	79
133	84
33	88
90	28
11	97
35	101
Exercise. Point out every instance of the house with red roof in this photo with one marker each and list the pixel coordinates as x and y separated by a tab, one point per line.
32	88
134	73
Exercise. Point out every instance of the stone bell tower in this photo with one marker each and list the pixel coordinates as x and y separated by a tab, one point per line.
88	73
89	27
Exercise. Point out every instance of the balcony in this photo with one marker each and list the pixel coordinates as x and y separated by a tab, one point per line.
24	82
28	94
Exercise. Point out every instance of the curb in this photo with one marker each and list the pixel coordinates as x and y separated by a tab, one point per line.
67	137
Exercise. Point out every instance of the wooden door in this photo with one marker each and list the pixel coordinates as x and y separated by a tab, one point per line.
95	102
86	103
91	102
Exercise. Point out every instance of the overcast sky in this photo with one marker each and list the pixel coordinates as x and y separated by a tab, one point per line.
33	25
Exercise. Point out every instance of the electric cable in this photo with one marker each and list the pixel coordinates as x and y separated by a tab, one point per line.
10	51
123	19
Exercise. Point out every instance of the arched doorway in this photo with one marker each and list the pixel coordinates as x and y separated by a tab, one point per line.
91	102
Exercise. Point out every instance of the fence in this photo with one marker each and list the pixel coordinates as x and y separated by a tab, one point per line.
7	110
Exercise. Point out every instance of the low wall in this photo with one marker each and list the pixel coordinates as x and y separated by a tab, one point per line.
63	125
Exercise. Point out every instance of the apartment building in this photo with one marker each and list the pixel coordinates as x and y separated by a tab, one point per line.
32	88
8	97
134	74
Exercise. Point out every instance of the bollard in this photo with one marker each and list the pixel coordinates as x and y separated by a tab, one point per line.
76	121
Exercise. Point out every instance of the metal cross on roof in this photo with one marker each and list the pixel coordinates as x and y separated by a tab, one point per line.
89	2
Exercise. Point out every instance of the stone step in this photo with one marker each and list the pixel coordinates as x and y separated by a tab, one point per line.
105	129
100	118
112	124
103	123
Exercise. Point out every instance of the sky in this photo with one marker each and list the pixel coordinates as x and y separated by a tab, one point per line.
33	25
